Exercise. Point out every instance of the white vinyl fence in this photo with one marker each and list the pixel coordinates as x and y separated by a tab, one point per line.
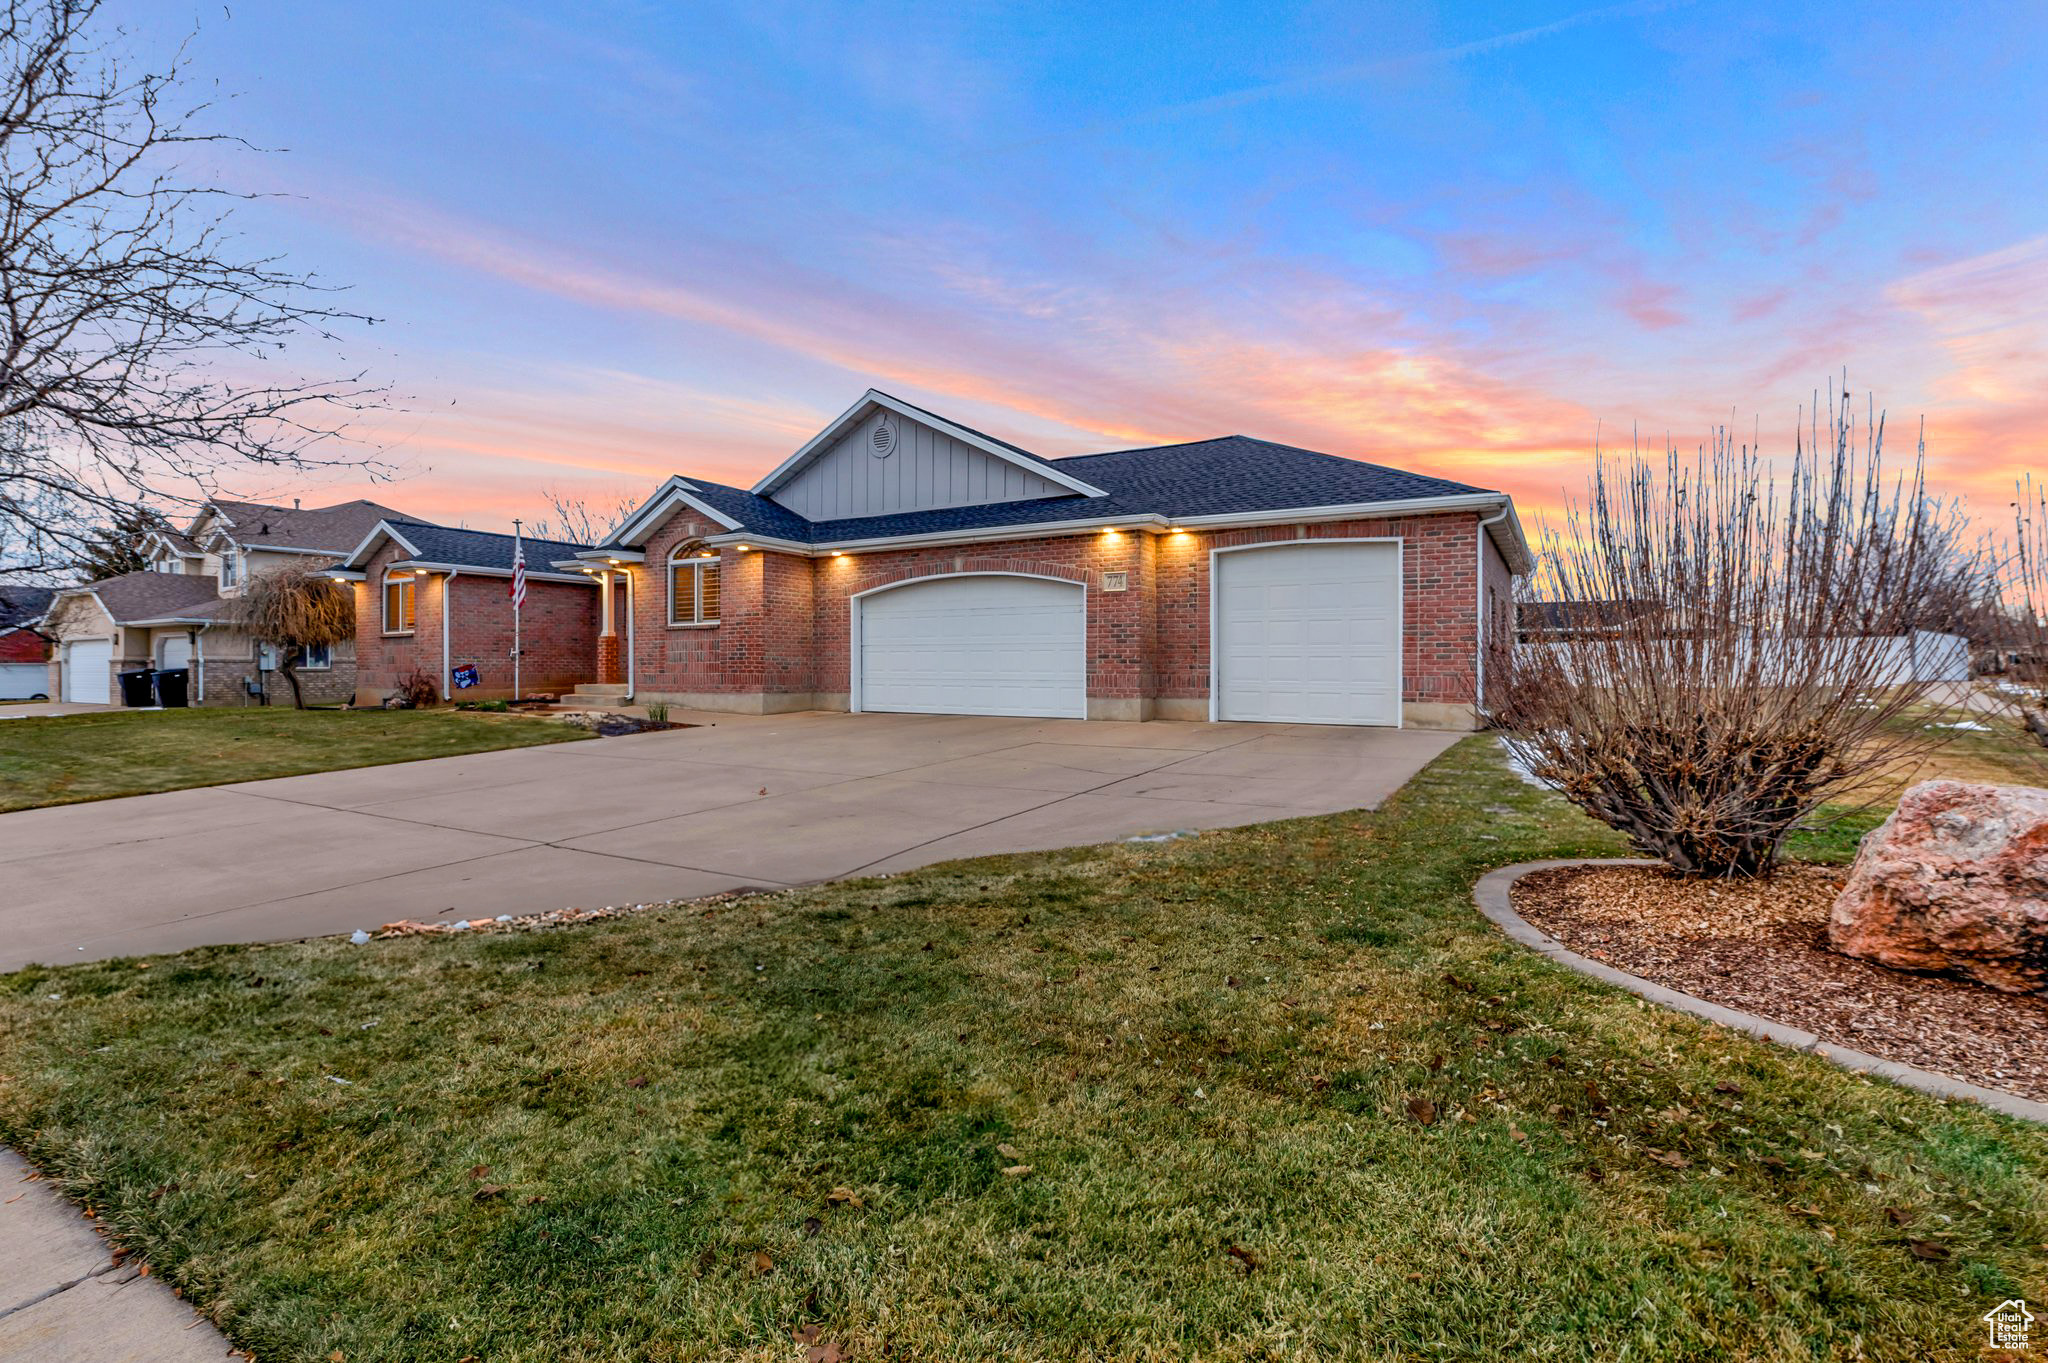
1901	659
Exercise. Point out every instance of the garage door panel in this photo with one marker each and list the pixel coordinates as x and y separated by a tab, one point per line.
88	678
975	645
1310	633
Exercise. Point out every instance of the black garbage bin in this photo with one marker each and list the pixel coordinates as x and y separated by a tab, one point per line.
170	687
136	689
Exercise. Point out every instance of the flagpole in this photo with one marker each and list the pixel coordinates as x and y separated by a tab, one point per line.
517	602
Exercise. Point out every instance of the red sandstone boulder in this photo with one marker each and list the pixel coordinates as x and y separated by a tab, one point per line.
1957	880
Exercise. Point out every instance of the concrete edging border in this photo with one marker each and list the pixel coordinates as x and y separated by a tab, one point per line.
1492	896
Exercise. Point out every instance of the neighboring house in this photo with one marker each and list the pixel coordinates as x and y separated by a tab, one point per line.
24	648
178	612
438	601
902	561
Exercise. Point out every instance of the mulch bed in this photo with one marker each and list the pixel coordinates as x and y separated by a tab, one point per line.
1761	946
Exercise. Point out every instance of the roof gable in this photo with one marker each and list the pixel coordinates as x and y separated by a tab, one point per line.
883	456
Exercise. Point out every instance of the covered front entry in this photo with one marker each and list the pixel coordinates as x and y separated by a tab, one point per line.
88	671
973	644
1308	632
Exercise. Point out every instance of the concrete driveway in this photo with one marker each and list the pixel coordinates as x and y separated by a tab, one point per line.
774	801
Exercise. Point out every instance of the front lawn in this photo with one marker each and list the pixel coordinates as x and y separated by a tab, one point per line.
1270	1092
62	759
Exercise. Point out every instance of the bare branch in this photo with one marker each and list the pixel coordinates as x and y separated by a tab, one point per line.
125	317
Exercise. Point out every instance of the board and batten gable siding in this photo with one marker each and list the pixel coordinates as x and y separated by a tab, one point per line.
926	470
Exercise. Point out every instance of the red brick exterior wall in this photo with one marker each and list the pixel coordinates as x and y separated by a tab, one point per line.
558	632
24	646
785	620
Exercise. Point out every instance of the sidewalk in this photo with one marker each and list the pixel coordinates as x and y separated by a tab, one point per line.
63	1299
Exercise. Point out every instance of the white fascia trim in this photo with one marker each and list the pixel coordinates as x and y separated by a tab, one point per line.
346	575
421	565
676	490
1459	501
622	555
381	528
170	620
288	549
789	467
1034	530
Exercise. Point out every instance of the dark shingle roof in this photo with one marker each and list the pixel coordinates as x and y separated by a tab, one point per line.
154	596
479	548
22	605
339	528
1233	473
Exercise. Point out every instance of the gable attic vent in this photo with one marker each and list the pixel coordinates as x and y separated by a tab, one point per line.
882	440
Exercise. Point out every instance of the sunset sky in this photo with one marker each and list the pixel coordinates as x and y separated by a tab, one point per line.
610	242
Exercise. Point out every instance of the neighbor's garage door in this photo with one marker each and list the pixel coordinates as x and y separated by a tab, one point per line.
985	645
1309	633
21	681
86	674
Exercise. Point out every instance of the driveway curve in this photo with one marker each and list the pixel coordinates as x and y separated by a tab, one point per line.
738	801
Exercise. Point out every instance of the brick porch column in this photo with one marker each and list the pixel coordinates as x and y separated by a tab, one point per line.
609	666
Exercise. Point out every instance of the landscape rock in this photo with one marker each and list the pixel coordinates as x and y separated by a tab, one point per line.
1955	880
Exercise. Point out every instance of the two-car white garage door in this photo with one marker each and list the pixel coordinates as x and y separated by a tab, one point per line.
980	644
1304	632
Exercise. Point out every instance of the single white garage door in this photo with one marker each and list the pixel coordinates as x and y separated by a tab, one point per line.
87	677
23	681
975	645
174	650
1309	633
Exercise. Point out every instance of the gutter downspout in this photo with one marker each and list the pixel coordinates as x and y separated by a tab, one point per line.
199	658
447	676
1479	609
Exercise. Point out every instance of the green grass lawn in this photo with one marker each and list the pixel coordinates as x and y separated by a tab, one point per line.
96	756
1281	1092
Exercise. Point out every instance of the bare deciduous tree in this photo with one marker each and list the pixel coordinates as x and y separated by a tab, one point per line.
576	521
1763	682
126	319
295	609
2015	622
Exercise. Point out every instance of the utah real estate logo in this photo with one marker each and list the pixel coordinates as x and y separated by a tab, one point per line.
2008	1321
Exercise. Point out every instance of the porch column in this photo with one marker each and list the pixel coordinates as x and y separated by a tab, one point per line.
608	668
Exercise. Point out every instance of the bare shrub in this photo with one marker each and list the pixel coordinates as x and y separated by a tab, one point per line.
417	691
295	609
1730	669
2014	629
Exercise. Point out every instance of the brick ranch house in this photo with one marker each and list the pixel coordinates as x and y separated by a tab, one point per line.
437	601
178	612
901	561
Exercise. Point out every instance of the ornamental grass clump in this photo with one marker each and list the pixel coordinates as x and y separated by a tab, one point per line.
1714	649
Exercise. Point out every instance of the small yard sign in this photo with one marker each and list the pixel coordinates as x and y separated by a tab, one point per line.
465	677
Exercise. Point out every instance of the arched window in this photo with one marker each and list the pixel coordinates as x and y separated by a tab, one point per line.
692	585
397	602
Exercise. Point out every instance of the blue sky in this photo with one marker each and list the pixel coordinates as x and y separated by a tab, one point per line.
608	242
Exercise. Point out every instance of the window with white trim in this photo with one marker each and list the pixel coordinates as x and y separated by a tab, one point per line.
693	585
230	568
318	658
397	602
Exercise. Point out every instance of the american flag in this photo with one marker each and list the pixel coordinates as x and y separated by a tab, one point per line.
518	575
